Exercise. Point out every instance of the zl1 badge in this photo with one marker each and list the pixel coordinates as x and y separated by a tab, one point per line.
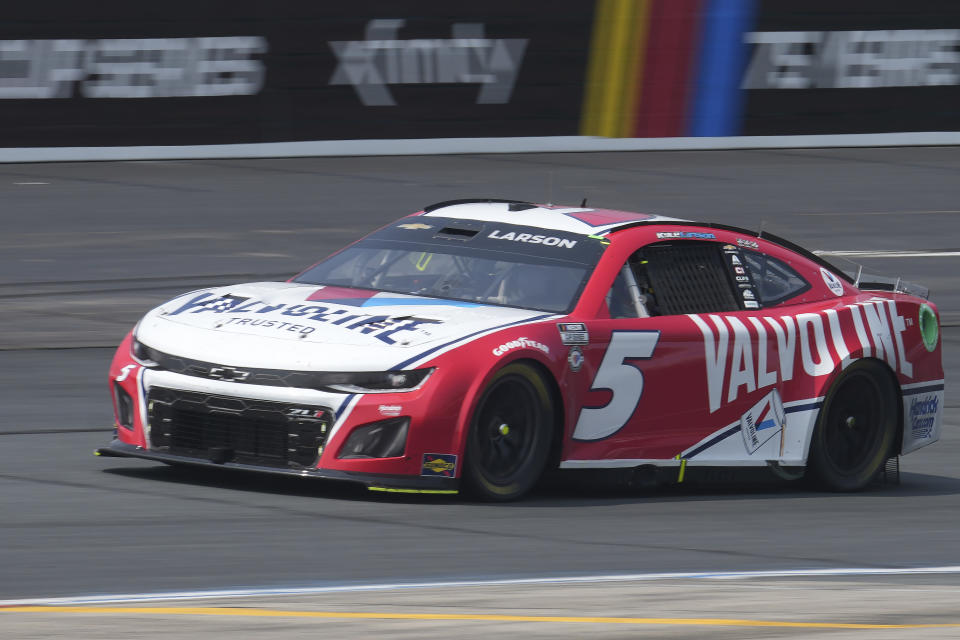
439	464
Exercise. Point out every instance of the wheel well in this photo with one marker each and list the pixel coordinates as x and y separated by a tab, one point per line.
559	415
897	445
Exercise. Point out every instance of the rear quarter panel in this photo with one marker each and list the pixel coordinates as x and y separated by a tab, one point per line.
712	374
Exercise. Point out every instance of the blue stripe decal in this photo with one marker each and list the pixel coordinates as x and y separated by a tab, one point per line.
927	389
409	361
732	430
706	445
718	99
810	406
343	405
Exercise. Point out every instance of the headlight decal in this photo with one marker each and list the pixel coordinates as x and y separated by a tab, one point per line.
379	381
142	353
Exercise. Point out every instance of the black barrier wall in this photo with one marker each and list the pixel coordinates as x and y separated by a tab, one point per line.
211	72
178	72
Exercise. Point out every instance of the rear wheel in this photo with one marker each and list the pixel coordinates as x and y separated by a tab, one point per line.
510	435
856	429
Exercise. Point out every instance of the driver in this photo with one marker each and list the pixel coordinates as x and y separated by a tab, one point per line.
527	285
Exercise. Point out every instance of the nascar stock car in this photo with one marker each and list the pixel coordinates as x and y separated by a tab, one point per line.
477	343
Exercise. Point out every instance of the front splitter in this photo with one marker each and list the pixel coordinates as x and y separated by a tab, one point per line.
374	482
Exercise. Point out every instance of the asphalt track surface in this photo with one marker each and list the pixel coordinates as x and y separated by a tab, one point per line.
86	248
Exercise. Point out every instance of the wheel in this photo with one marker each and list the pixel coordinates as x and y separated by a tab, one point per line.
510	435
856	429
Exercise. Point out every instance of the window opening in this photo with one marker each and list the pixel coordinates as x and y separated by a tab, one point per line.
684	277
624	299
774	280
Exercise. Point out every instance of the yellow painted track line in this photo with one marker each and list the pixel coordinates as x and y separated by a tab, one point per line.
475	617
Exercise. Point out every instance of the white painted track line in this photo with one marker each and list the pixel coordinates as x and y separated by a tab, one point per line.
637	577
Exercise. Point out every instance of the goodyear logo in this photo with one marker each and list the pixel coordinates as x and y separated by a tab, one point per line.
439	464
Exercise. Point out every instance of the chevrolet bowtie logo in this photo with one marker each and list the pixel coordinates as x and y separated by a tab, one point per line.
228	374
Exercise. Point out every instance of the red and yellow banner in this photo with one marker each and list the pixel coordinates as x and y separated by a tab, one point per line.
663	68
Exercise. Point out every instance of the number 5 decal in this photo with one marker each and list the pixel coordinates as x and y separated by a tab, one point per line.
623	379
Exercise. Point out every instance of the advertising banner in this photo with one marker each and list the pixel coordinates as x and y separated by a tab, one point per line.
116	74
187	73
669	68
824	67
666	68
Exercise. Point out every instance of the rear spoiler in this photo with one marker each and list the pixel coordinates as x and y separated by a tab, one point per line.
866	281
871	282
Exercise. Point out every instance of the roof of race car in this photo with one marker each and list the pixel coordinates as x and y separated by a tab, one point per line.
586	221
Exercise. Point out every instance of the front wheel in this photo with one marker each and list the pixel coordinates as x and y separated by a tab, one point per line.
510	434
856	429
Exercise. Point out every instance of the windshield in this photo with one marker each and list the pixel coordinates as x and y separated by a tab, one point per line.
434	265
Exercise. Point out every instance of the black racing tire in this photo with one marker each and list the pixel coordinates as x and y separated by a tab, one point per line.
856	429
511	430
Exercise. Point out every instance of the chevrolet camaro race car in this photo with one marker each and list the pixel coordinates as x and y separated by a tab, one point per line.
477	343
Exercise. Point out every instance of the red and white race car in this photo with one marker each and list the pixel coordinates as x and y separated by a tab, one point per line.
477	342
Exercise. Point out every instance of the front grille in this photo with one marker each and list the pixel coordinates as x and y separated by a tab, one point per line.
225	429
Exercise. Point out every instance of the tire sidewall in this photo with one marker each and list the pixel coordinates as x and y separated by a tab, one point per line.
822	467
476	482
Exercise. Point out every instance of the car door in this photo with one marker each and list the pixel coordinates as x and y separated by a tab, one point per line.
667	369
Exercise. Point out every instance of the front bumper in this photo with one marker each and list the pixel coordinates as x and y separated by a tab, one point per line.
374	482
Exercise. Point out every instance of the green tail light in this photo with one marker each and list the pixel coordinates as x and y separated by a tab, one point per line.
929	328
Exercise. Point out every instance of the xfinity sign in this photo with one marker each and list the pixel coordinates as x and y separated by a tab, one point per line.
468	57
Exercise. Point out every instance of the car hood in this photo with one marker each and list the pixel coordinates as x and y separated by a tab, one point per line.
285	325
